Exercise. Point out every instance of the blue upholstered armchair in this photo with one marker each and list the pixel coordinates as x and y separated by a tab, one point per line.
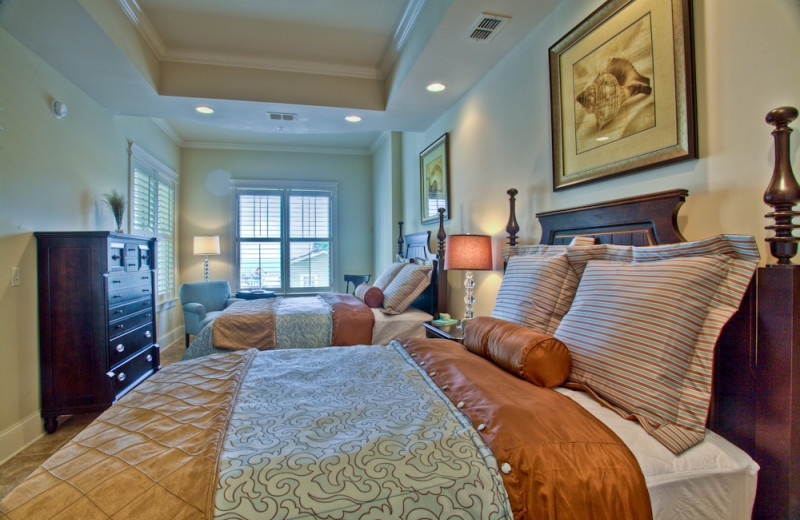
202	302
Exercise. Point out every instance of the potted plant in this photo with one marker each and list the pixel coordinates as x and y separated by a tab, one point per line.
116	201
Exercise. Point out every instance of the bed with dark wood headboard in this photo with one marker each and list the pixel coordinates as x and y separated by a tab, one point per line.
755	400
417	245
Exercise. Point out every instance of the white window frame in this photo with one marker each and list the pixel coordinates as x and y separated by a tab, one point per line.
163	174
247	186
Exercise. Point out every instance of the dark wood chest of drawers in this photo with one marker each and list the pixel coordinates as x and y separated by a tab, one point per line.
97	335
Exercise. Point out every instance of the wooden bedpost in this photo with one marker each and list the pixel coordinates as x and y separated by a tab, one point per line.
512	228
777	423
783	192
441	235
400	238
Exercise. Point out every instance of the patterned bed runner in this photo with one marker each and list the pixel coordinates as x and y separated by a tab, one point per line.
356	432
152	455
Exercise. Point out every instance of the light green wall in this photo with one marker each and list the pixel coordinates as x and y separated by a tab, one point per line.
53	173
387	195
205	202
746	54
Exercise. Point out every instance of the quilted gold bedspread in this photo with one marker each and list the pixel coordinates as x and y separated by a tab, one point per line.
247	324
152	455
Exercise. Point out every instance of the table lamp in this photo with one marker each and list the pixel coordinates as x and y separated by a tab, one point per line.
206	245
472	253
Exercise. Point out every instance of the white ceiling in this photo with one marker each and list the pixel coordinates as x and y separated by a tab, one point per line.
318	59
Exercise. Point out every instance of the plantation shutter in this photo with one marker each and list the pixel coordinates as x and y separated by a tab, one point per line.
284	239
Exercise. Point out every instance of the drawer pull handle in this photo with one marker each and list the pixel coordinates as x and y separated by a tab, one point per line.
149	358
148	315
147	334
121	377
116	281
146	290
120	326
117	296
120	348
119	311
115	257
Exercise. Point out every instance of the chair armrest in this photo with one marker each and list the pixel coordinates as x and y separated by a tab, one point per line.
196	308
230	301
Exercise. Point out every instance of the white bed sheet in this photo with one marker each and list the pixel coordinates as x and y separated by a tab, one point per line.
713	479
405	325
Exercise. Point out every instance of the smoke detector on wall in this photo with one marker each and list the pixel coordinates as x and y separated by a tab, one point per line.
486	27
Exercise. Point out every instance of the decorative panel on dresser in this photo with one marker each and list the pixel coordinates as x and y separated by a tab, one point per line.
97	335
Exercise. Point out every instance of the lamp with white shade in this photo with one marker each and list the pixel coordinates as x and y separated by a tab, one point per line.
206	245
471	253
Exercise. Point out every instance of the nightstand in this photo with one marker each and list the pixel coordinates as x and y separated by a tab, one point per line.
453	331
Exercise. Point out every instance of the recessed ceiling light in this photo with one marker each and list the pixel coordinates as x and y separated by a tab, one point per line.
353	118
204	109
436	87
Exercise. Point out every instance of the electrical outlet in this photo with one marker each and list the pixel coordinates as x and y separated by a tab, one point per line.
15	277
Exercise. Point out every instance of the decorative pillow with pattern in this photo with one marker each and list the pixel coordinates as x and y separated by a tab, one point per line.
405	287
643	325
385	278
536	291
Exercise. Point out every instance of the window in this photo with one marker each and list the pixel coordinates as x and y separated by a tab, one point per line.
284	236
153	211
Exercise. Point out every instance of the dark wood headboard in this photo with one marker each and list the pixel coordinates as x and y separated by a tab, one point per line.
417	246
640	221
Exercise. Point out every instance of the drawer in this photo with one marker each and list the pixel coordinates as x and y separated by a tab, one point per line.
126	309
132	341
126	287
118	327
134	371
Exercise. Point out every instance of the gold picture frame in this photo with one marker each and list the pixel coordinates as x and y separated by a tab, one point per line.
434	180
622	91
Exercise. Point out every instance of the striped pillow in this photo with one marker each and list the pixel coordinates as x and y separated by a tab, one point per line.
405	287
385	278
643	326
536	291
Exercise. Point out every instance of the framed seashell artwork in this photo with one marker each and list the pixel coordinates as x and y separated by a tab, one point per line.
622	92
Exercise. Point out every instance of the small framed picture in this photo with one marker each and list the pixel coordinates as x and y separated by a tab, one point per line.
434	177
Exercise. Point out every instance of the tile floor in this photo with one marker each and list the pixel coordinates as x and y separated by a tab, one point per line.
21	465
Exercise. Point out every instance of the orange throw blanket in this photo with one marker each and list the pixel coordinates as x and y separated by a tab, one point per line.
352	320
153	455
246	324
562	462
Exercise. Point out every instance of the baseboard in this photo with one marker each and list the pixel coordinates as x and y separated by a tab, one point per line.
19	436
168	338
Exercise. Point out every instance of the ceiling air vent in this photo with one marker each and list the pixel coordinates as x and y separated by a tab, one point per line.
279	116
486	27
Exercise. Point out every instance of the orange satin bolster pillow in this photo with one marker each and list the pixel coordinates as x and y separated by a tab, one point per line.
535	357
370	295
476	334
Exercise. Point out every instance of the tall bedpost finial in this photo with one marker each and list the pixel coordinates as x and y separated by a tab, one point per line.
783	192
512	228
400	240
440	235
